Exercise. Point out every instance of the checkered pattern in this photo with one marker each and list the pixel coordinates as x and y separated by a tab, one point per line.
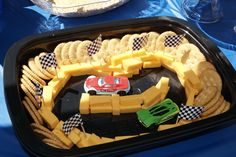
190	112
48	60
173	40
71	123
38	90
139	42
94	47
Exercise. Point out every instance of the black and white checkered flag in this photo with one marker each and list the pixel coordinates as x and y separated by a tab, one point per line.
38	90
139	42
94	47
48	60
173	40
190	112
71	123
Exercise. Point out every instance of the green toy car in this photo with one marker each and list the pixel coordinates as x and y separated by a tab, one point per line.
158	113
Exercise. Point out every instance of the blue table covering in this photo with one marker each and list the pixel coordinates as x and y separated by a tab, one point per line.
20	18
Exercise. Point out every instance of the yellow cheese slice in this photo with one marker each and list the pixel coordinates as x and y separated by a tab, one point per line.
48	117
74	135
77	69
149	57
101	109
151	96
115	104
60	134
151	64
84	103
131	100
126	74
48	97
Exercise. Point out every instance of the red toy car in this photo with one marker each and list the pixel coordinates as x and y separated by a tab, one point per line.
107	85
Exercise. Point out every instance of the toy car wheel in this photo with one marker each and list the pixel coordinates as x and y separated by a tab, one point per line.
121	93
92	92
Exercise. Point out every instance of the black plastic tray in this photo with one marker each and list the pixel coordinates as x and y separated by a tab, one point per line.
28	47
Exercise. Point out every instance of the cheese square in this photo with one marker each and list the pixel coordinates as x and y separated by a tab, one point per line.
132	64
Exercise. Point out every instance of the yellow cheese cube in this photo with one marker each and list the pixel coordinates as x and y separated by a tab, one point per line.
126	74
180	69
149	57
60	134
163	86
151	96
164	93
132	64
77	69
74	135
47	97
190	98
88	140
48	117
100	100
59	125
94	139
101	109
112	68
138	53
151	64
131	100
84	103
130	108
115	104
100	73
166	61
115	60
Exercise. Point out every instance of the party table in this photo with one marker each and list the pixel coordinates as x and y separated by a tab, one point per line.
20	18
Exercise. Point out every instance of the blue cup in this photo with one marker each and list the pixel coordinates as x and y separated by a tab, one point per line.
204	11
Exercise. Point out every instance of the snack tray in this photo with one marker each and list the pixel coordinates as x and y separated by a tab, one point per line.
28	47
92	7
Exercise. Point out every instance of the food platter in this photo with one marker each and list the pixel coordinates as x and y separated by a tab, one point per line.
78	8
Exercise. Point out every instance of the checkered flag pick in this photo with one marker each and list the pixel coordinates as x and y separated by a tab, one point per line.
190	112
48	60
139	42
94	47
173	40
71	123
38	90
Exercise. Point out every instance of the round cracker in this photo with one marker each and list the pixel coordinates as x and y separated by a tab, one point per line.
205	96
124	42
113	46
220	109
28	87
73	50
211	78
36	70
189	55
40	127
29	82
82	52
54	143
33	108
213	108
44	134
65	53
30	112
30	96
212	101
39	66
227	107
160	43
151	43
57	52
203	66
32	75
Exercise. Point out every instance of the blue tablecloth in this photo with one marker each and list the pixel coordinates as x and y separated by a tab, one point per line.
20	18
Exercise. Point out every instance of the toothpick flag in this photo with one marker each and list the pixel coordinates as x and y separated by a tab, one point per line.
190	112
173	40
139	42
38	93
48	60
94	47
71	123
